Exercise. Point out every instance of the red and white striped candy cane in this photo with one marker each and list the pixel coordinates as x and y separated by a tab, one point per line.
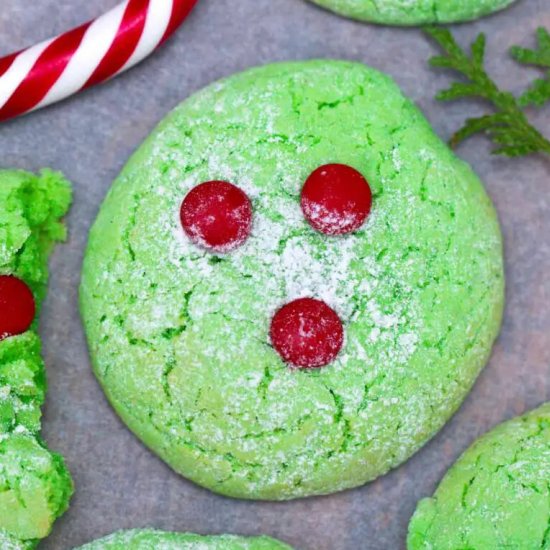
90	54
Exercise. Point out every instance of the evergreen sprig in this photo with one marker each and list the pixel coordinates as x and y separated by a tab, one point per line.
539	92
507	125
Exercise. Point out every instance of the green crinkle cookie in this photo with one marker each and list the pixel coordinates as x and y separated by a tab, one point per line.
414	12
496	497
35	485
179	336
22	383
30	209
149	539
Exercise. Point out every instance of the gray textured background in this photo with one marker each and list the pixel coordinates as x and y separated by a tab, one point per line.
119	483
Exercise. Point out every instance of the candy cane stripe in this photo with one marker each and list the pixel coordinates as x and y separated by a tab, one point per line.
125	42
6	62
87	55
155	27
44	74
15	74
17	77
180	11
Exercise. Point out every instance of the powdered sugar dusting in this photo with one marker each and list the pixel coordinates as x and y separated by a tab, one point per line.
187	330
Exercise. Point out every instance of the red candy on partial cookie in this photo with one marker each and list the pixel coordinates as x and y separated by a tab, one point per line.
17	306
217	215
307	333
336	199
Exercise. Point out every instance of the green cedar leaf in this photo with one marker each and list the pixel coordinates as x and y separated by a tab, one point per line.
539	92
507	126
539	57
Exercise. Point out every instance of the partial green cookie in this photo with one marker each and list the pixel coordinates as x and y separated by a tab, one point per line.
414	12
497	496
8	542
179	336
149	539
22	383
35	485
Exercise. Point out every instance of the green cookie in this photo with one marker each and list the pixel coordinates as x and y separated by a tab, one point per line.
35	485
149	539
497	496
9	542
414	12
179	336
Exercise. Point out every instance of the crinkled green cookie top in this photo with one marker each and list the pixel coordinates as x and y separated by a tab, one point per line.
414	12
180	337
497	496
149	539
30	209
22	383
35	485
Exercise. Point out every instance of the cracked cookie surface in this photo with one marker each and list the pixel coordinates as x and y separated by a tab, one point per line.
35	485
496	496
414	12
179	336
150	539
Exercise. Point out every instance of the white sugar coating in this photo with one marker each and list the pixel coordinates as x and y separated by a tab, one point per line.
325	217
7	542
295	266
180	336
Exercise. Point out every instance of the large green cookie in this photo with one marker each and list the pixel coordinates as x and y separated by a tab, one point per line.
179	336
414	12
497	496
149	539
35	485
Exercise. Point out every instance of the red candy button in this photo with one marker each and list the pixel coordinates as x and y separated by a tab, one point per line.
217	215
17	307
336	199
307	333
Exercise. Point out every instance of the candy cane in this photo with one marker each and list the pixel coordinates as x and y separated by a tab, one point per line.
88	55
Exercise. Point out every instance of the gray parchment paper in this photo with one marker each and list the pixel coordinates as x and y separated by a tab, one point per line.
119	483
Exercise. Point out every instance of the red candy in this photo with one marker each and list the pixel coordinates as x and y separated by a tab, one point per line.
307	333
336	199
17	306
217	215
